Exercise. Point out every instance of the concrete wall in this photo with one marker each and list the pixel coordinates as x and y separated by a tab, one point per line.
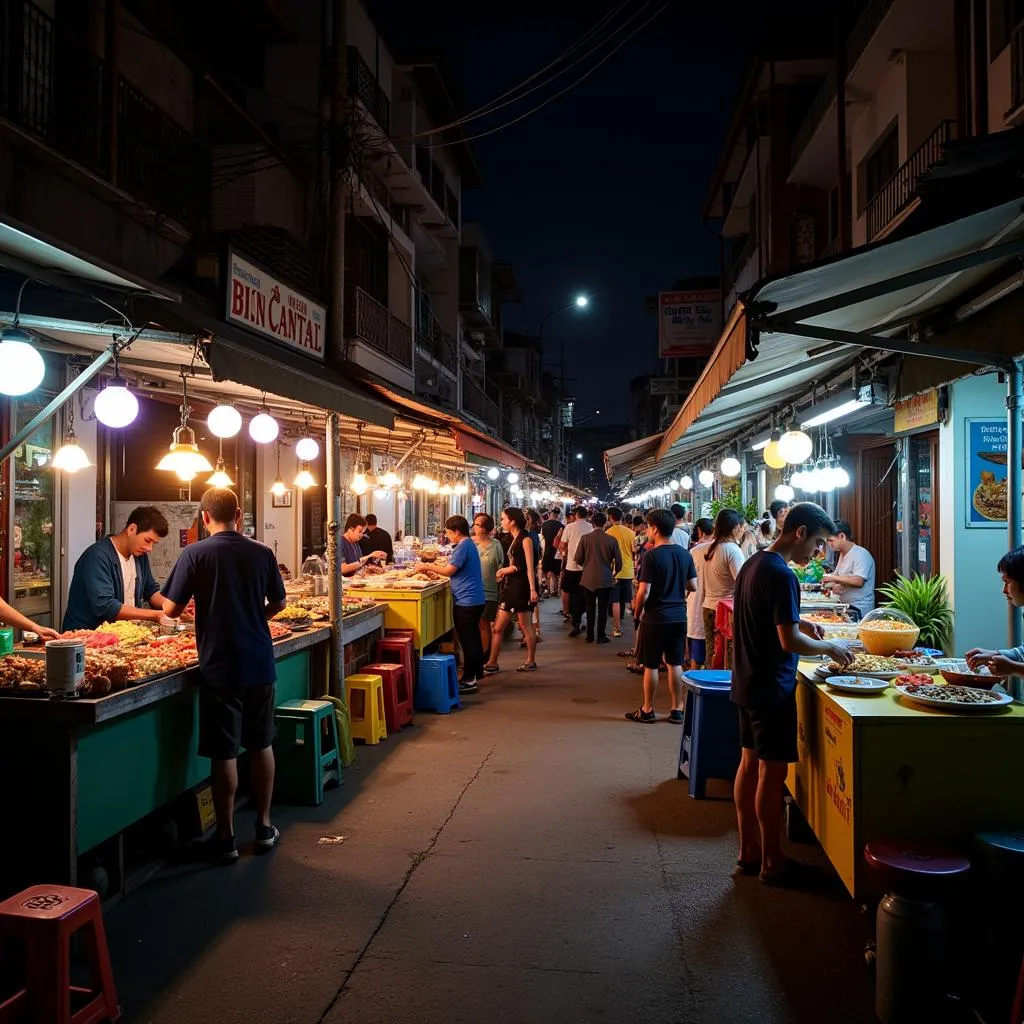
278	528
931	94
362	34
156	71
968	557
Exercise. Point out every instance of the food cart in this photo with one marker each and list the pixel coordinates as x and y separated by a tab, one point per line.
882	767
420	604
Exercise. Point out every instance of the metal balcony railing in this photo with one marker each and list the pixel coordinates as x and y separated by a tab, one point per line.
363	84
383	199
899	190
858	39
814	116
368	321
1017	67
52	86
437	342
476	403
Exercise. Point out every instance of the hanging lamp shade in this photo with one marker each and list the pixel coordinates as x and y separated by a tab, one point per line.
184	456
21	366
70	457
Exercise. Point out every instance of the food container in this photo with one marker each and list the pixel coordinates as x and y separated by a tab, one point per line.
168	626
65	666
6	640
886	631
956	672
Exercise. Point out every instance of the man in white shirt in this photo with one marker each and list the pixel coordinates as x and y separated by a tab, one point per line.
853	581
573	572
681	534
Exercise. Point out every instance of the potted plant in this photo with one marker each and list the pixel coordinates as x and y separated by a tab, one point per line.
926	600
731	499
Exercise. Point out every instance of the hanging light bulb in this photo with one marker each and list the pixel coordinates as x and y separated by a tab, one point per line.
772	456
224	421
220	476
797	479
784	492
706	477
382	494
794	446
115	405
433	486
461	487
70	457
730	466
263	428
21	366
674	484
493	473
183	455
513	478
446	490
686	483
278	488
842	478
307	449
304	479
389	478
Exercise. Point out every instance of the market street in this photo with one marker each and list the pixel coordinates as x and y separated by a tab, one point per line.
531	858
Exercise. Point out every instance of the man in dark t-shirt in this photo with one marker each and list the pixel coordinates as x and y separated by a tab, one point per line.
667	575
375	539
237	587
549	530
768	639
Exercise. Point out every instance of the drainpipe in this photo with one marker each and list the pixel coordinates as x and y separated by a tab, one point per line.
335	683
1014	501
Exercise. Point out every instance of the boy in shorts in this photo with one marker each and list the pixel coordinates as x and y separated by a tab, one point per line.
768	640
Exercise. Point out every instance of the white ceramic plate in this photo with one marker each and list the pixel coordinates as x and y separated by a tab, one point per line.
824	672
956	705
857	684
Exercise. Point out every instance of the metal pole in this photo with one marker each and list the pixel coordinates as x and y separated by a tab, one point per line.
335	684
1014	501
53	406
338	151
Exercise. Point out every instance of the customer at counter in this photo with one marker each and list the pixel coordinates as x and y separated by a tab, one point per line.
112	578
1009	661
492	557
375	539
853	580
349	553
12	617
768	640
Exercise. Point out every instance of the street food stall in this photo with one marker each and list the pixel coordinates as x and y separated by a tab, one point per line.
420	601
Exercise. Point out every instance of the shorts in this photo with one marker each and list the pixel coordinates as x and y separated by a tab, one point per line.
662	640
698	650
771	731
550	564
490	612
515	599
231	717
622	592
571	580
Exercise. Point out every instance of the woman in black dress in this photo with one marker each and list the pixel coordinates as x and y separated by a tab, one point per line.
518	591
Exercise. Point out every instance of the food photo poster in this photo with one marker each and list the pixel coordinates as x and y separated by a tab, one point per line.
986	473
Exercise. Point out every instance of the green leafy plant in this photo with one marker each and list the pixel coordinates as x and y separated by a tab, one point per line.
731	499
926	600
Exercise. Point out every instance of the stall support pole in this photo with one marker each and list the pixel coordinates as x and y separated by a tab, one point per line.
336	684
1014	498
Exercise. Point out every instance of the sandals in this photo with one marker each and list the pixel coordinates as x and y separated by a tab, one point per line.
491	669
527	666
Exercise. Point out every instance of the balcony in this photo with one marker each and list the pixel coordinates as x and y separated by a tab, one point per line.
867	24
475	301
52	87
438	344
476	402
899	191
824	99
363	85
368	321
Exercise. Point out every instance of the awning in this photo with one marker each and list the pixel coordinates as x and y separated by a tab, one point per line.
471	444
620	461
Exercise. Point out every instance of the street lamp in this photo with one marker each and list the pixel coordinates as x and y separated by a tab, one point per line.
582	301
579	455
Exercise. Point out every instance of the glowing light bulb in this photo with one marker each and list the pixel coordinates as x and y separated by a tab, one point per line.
263	428
794	446
730	466
115	405
224	421
307	450
21	366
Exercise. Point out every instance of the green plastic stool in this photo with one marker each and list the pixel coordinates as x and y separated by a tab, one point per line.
311	753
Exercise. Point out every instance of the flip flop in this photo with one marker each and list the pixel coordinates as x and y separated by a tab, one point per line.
527	666
491	669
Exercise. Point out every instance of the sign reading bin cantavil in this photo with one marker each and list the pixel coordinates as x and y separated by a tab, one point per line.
689	323
265	305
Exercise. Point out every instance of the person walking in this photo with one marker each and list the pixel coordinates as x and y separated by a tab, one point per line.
768	640
573	574
492	557
599	555
666	576
518	591
570	517
533	529
622	589
680	532
549	531
724	560
237	587
468	598
703	531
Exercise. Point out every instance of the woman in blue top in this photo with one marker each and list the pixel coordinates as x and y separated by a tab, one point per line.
467	581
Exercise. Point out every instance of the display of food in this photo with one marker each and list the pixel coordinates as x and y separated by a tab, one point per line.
395	579
91	638
292	613
866	665
885	631
833	618
953	696
913	679
25	674
958	673
857	684
127	632
278	631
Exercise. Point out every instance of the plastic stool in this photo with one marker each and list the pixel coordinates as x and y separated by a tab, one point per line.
397	694
369	723
400	649
709	746
45	918
319	750
910	929
438	686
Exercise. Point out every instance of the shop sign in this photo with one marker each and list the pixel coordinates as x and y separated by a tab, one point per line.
917	411
986	473
689	323
265	305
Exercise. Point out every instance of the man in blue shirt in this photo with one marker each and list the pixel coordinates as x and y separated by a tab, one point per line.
237	587
768	640
467	582
350	554
112	578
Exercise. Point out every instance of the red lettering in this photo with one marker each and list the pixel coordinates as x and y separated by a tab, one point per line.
260	308
237	297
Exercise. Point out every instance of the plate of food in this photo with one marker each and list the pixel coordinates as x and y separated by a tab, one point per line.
989	498
863	665
857	684
948	697
826	617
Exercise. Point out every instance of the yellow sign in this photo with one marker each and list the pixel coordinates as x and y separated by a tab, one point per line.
204	802
917	411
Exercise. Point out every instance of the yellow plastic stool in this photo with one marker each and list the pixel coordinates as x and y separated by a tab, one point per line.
365	694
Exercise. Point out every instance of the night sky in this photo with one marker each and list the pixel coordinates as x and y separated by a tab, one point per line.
601	191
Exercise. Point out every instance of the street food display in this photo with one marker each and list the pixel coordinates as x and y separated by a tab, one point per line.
953	698
374	577
868	665
293	615
830	617
857	684
885	631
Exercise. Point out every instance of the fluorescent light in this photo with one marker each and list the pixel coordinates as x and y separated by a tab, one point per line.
844	405
761	442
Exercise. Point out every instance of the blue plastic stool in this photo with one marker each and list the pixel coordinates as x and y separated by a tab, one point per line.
710	745
312	754
437	684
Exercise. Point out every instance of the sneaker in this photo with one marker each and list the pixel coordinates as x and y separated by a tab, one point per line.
676	717
221	851
616	633
469	686
646	717
267	837
575	631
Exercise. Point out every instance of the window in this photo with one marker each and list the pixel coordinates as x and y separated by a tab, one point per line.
880	165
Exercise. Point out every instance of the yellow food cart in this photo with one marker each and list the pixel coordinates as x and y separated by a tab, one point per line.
427	611
880	767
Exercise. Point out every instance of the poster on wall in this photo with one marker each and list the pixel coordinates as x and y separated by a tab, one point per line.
183	520
986	473
689	323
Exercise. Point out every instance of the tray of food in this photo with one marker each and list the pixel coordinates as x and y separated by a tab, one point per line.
857	684
948	697
293	616
863	665
826	617
278	630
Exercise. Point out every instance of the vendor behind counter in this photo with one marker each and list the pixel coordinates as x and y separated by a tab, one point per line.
853	581
112	578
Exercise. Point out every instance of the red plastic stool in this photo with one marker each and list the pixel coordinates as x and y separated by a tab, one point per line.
397	631
44	918
911	972
400	649
397	694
